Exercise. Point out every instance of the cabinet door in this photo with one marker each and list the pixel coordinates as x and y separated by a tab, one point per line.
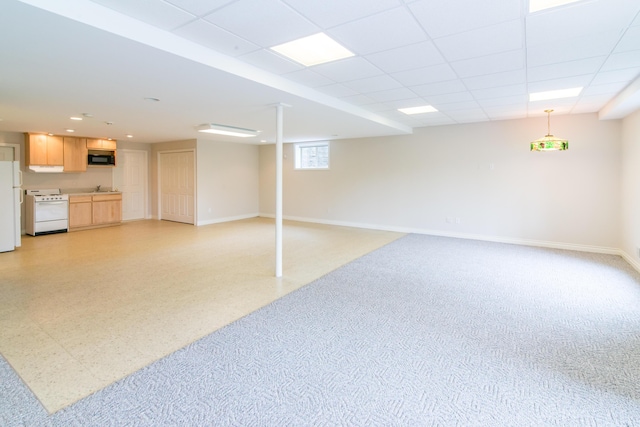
80	214
101	144
36	149
75	154
55	151
106	212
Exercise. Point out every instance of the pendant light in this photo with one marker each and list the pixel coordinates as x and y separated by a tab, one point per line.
549	142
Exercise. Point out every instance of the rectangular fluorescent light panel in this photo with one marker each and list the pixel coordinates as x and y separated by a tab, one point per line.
313	50
227	130
536	5
555	94
418	110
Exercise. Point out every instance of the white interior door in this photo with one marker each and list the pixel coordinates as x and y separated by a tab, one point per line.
132	180
177	186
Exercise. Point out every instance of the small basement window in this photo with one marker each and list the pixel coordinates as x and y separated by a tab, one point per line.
312	155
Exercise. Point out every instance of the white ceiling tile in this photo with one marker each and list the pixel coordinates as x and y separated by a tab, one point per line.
392	95
557	84
468	116
266	23
445	87
619	61
590	104
495	80
348	69
329	13
624	75
337	90
308	77
199	7
496	104
565	69
408	57
483	41
421	76
442	18
500	103
490	64
570	49
630	40
154	12
456	106
450	98
267	60
499	92
216	38
504	101
373	84
604	89
580	19
379	32
558	105
514	112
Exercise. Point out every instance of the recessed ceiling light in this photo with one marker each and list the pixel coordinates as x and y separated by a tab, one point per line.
418	110
555	94
313	50
536	5
76	118
129	136
227	130
70	130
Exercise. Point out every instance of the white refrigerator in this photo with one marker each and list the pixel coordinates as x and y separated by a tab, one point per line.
10	200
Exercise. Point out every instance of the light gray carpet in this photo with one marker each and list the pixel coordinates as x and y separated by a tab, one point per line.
426	331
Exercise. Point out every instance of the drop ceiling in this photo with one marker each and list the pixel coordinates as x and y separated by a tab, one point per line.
209	61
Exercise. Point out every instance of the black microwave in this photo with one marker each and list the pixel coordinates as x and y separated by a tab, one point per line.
102	159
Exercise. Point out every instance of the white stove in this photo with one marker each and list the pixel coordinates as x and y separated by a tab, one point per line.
47	211
46	195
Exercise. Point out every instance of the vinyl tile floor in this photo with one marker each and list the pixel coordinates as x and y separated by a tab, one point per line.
81	310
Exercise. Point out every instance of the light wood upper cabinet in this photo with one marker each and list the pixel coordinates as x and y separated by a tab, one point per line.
100	144
75	154
44	150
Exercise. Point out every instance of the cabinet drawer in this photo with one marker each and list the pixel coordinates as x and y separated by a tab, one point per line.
107	197
79	199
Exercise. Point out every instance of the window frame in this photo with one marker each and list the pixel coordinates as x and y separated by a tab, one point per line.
297	148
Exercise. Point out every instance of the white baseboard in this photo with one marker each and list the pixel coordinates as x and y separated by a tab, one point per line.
227	219
498	239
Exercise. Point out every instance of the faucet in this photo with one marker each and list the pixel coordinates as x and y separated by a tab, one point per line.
98	189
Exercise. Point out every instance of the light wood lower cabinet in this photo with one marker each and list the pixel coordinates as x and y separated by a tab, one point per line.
94	211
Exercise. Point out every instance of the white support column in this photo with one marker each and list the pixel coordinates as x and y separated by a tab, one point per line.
279	154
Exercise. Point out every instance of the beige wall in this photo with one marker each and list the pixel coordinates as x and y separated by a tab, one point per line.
481	173
630	211
228	181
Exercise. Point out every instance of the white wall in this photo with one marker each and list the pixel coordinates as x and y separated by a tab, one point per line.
481	173
630	212
227	180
